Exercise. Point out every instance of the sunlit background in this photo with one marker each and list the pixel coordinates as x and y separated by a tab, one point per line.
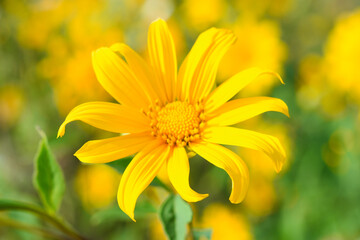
45	71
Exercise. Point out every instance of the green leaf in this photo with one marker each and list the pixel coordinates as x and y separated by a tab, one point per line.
48	177
120	166
175	214
203	234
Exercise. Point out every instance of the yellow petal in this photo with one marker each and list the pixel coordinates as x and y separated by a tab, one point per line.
119	80
163	57
107	150
178	171
230	162
198	72
245	108
139	173
108	116
270	145
232	86
139	67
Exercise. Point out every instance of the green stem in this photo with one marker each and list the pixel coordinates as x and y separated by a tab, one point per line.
54	220
42	232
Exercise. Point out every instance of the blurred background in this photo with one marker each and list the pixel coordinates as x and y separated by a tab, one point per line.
45	71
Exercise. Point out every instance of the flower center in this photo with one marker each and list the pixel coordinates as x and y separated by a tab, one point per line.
177	122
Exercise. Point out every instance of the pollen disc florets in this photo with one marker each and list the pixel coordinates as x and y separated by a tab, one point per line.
177	122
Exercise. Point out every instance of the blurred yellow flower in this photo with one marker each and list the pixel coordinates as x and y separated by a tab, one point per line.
332	81
314	90
311	82
342	55
11	105
225	223
96	185
32	20
75	82
201	14
259	45
261	197
261	7
68	36
164	113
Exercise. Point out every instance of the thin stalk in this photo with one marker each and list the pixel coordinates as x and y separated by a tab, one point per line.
39	231
54	220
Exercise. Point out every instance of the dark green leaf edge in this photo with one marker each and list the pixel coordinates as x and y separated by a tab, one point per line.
175	214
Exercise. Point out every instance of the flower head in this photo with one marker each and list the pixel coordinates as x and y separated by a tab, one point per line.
165	112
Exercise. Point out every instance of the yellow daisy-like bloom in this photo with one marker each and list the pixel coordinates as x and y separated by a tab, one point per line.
163	113
96	185
225	223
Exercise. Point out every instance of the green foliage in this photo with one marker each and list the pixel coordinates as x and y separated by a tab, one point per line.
175	214
48	177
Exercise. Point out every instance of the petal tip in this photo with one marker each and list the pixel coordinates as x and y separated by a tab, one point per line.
81	157
158	21
61	132
278	168
77	155
197	198
236	201
132	218
275	74
280	164
286	112
130	214
238	197
98	51
203	196
117	47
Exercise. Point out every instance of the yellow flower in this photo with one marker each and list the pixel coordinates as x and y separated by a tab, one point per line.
96	185
163	113
225	223
68	36
262	8
203	13
254	50
341	58
11	105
